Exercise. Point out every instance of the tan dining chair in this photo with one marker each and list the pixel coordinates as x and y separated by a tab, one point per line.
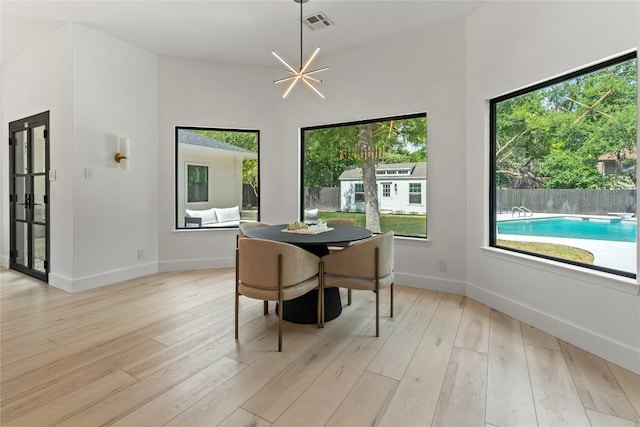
365	265
275	271
241	233
334	247
248	225
340	245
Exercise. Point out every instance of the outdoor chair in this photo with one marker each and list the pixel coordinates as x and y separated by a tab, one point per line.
275	271
365	265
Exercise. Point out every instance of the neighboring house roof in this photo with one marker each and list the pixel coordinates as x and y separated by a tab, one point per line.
417	171
189	137
625	153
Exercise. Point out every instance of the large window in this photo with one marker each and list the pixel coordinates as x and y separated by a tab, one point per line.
216	177
563	168
362	171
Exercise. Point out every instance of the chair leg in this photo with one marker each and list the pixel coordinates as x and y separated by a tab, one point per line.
266	308
391	314
280	326
237	301
280	308
320	294
348	296
377	310
237	282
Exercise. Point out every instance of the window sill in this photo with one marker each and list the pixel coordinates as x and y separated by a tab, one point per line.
188	230
608	280
412	241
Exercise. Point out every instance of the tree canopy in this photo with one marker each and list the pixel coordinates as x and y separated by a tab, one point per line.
329	151
552	137
243	139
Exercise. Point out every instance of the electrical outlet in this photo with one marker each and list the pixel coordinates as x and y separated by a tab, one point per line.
442	265
140	253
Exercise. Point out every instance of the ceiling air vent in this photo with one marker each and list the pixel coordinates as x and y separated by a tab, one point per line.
317	21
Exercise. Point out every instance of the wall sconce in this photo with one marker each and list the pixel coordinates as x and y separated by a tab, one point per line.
122	157
395	188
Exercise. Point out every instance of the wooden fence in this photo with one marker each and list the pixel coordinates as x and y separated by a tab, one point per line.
325	198
588	202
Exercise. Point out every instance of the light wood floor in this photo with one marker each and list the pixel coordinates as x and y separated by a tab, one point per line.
160	350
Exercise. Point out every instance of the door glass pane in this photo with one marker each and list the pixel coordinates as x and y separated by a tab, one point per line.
21	211
21	243
39	187
21	159
39	247
38	149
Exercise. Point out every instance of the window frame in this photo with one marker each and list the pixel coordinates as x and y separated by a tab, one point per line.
302	131
176	185
493	102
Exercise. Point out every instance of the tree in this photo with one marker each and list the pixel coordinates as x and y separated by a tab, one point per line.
366	152
243	139
553	137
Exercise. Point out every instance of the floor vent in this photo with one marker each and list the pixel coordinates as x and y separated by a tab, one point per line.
317	21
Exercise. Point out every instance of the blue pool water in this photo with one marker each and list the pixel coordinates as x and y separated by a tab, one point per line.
575	228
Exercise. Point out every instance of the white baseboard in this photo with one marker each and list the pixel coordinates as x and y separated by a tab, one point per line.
592	342
4	261
195	264
102	279
430	283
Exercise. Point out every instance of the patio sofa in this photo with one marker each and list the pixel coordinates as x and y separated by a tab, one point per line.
214	217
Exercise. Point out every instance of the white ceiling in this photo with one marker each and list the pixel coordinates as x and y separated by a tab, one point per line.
236	31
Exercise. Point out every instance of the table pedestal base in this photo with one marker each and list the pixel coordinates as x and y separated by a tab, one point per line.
304	308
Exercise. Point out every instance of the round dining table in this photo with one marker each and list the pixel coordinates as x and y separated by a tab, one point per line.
304	308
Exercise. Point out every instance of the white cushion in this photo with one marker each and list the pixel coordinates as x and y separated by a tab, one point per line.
208	215
228	214
311	215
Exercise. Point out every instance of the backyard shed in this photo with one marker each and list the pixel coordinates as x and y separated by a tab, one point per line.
402	188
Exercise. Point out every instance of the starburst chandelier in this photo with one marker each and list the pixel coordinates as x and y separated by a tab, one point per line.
303	73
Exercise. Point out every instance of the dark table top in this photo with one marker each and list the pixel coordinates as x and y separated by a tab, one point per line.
340	233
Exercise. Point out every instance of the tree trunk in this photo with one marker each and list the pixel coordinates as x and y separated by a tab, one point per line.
366	152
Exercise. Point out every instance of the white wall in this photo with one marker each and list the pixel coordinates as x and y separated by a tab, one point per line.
511	45
27	90
115	94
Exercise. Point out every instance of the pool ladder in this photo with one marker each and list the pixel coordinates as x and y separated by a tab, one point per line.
521	210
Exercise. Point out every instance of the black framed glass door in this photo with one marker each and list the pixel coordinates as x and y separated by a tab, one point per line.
29	195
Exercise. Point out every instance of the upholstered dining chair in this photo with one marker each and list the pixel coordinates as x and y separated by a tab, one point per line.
241	233
341	245
248	225
365	265
275	271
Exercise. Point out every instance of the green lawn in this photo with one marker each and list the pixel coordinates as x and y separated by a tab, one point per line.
558	251
403	225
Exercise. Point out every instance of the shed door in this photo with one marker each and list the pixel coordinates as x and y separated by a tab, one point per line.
386	201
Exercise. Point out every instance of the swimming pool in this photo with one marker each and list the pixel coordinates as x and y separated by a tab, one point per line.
572	227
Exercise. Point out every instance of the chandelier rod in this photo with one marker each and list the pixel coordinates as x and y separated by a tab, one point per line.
301	1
